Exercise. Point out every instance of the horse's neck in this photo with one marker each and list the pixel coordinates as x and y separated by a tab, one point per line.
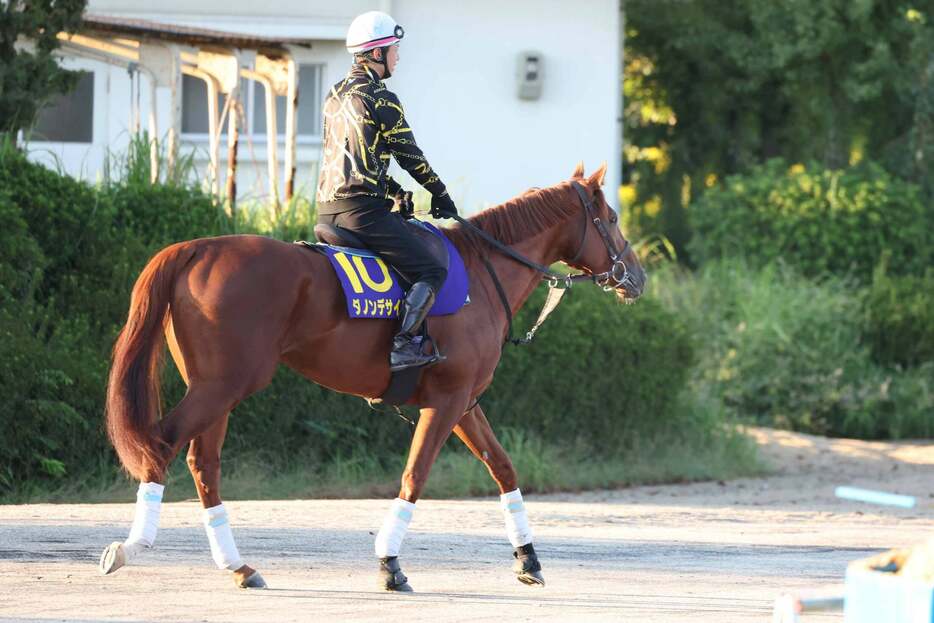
518	280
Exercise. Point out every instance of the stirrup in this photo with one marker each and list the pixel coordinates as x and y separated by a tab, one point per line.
416	359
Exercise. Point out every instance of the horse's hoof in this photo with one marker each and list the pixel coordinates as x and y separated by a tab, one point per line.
113	558
255	580
391	577
527	568
531	578
399	588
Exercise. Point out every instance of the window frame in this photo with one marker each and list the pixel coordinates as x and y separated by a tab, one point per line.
248	99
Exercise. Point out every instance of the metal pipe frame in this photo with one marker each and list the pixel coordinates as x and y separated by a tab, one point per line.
272	132
125	53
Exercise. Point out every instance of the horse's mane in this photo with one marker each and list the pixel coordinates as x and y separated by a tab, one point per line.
522	217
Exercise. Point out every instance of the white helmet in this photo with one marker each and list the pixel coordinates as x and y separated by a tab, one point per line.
373	29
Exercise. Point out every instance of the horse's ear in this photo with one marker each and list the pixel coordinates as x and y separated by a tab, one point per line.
598	176
578	171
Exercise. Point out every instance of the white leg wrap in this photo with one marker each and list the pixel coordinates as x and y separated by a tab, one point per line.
517	522
396	524
146	520
223	549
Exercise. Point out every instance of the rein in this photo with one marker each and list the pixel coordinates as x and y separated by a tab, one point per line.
558	284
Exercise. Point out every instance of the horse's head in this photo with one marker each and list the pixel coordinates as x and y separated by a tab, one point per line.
595	243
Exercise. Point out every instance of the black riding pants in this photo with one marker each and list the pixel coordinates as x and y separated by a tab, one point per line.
386	234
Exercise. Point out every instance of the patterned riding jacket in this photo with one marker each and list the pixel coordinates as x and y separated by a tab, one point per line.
364	125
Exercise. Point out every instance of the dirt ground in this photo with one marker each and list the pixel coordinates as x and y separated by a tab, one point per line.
699	552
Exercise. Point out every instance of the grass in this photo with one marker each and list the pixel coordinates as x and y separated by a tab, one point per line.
790	352
542	468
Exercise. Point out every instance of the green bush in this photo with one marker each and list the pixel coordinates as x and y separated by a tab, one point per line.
57	255
816	220
21	259
69	254
53	387
900	319
789	352
66	217
599	372
97	240
50	368
164	214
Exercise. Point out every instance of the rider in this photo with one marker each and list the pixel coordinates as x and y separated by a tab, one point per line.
364	125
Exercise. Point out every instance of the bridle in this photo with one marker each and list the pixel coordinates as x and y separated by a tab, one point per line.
618	273
616	277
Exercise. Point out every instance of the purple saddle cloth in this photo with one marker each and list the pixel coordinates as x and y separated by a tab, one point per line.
372	288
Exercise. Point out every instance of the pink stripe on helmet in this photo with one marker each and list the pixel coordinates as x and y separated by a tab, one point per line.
391	39
376	43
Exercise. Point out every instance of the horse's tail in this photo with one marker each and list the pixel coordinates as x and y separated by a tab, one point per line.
134	396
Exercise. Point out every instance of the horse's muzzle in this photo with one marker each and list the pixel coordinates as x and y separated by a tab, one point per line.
631	285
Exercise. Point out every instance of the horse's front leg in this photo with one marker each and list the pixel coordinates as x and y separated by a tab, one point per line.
434	427
474	430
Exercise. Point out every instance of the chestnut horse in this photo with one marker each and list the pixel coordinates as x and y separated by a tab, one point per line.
232	308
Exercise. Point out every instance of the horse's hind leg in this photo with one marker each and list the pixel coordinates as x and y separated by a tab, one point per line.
204	462
204	408
142	533
148	497
474	430
201	418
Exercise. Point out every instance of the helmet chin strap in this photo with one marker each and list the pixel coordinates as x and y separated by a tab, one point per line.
384	61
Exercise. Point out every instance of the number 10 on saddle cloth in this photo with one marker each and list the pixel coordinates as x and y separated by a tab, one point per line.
372	289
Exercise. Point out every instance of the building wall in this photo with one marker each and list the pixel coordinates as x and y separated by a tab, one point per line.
456	79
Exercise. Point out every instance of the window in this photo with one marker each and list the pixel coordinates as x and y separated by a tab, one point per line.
70	117
195	105
195	112
309	104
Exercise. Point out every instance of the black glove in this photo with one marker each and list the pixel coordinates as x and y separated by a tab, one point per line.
442	206
404	204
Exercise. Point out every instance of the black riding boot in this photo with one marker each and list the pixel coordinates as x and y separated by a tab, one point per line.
406	351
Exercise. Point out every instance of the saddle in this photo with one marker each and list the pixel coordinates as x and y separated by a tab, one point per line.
340	237
372	289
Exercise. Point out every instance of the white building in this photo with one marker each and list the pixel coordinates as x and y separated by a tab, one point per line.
462	65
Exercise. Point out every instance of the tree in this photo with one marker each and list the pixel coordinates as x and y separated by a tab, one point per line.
714	87
30	76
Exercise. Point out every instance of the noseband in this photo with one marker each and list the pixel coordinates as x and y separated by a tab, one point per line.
616	277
